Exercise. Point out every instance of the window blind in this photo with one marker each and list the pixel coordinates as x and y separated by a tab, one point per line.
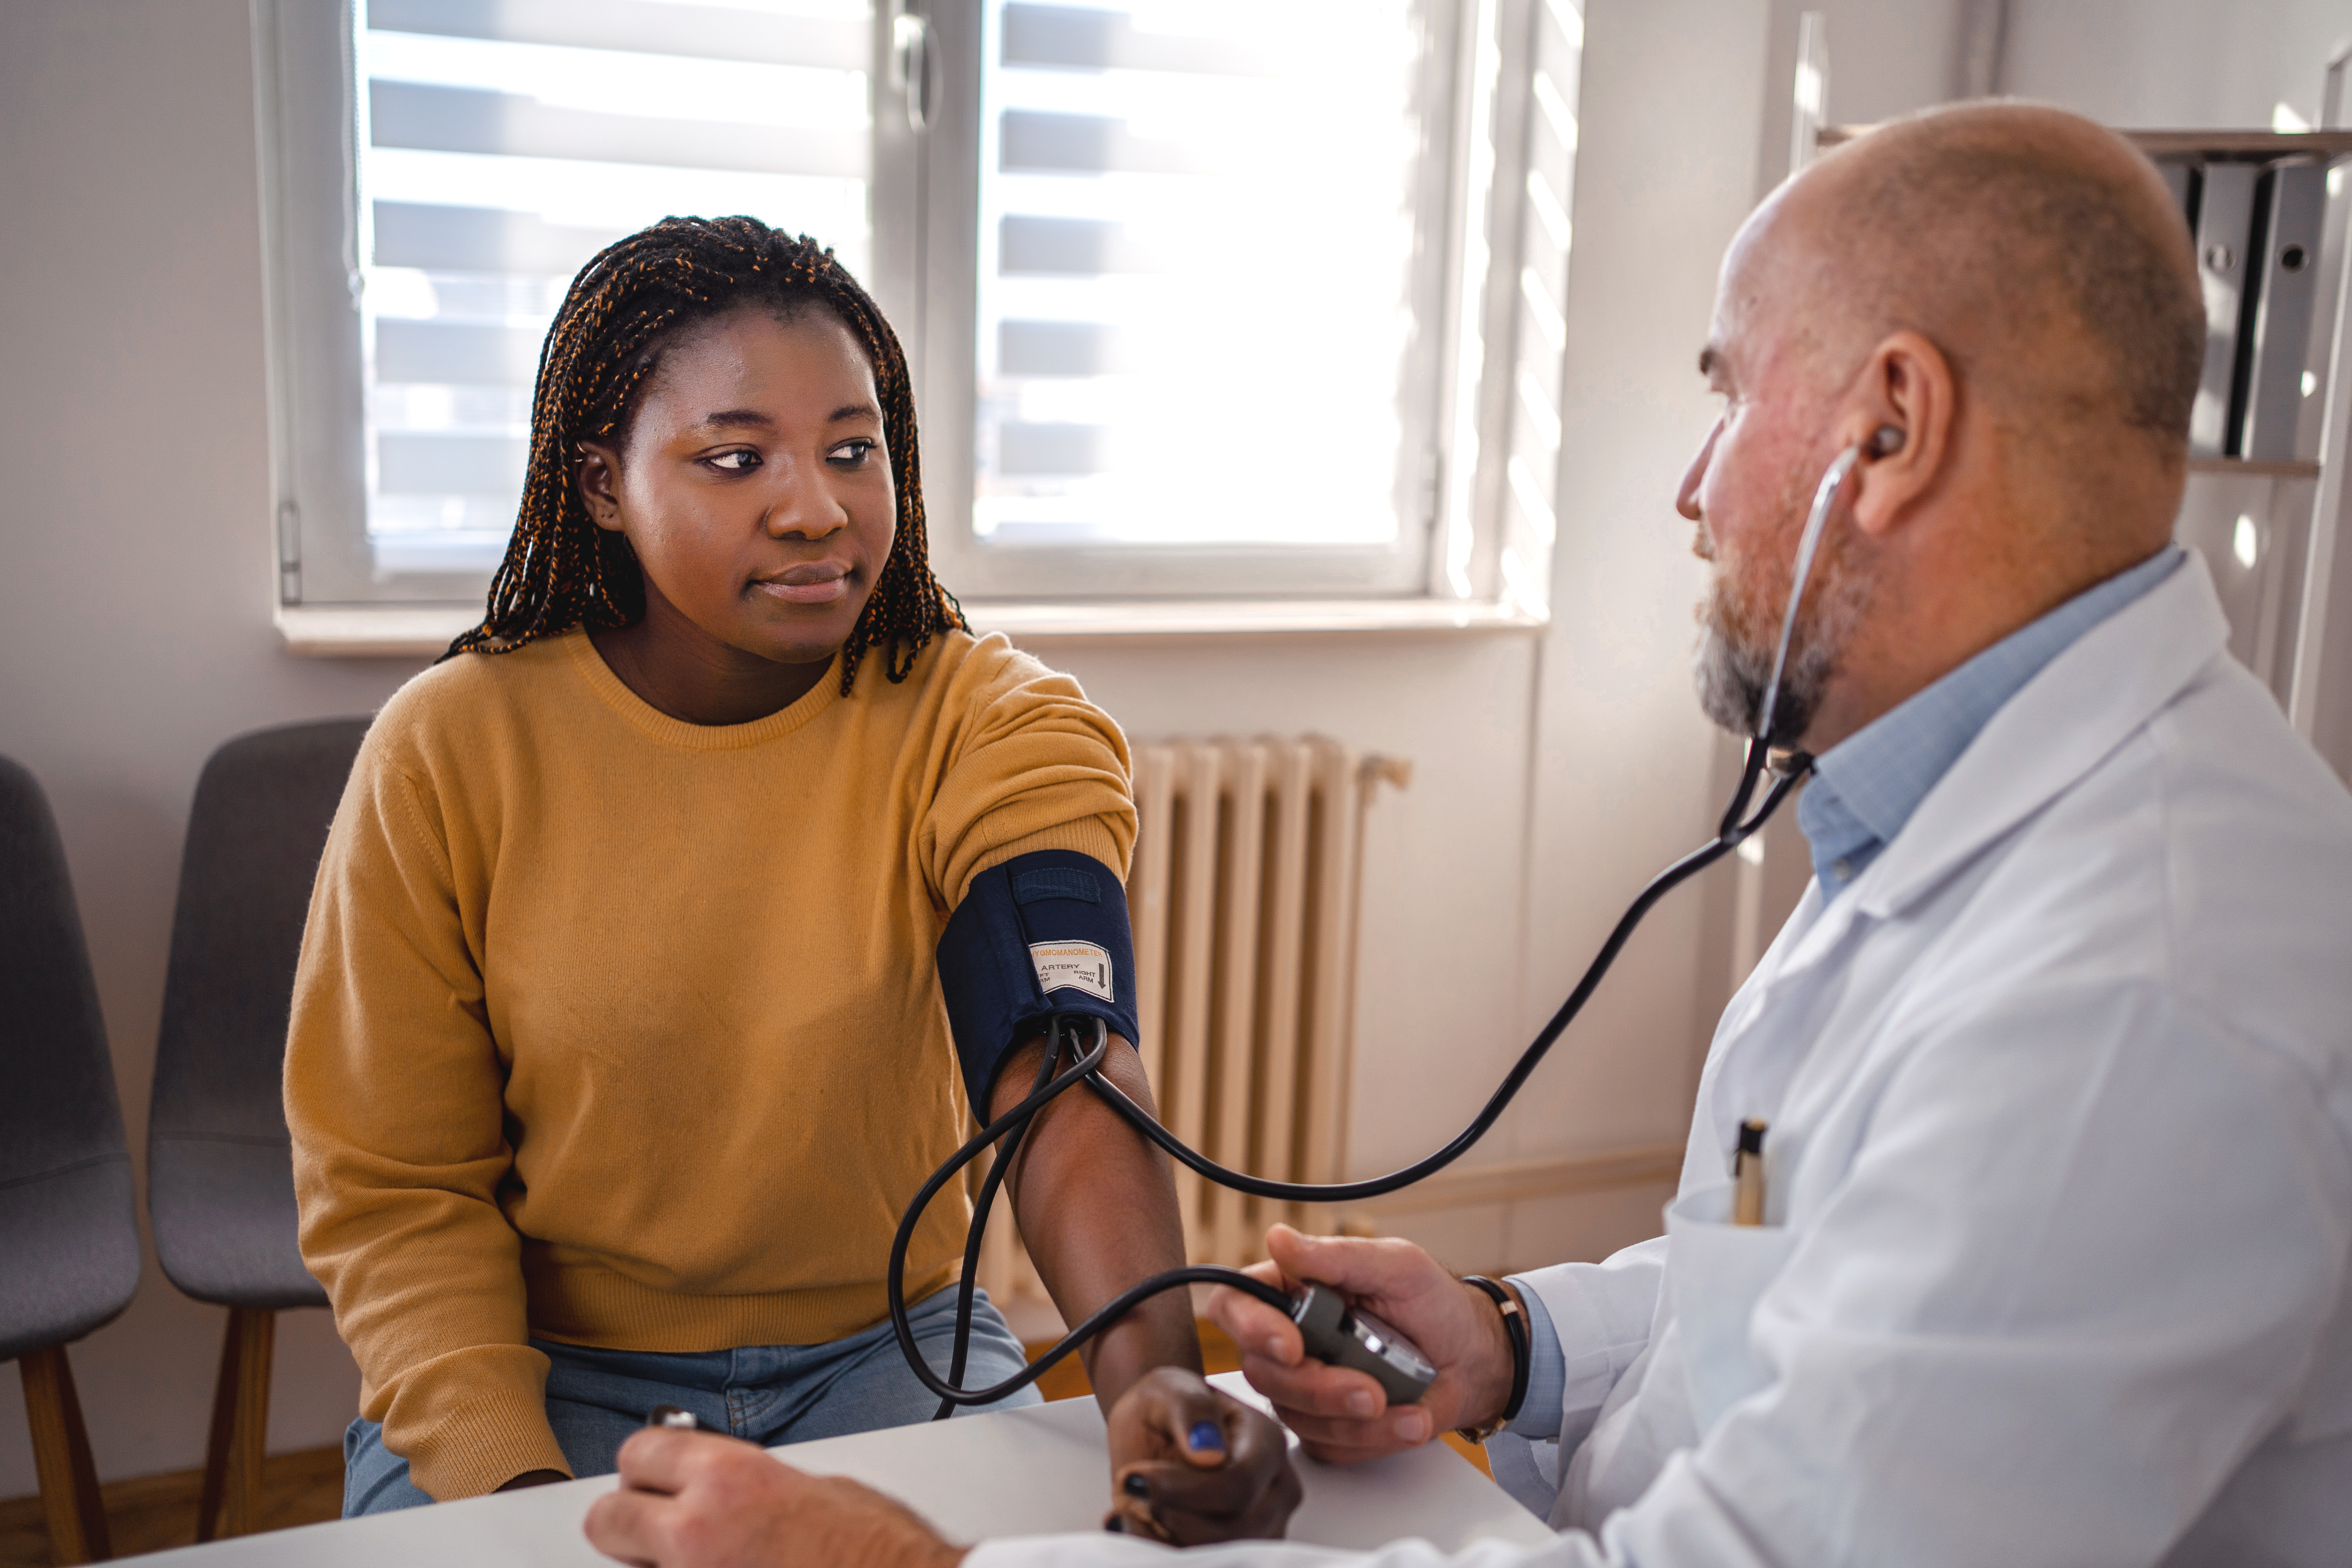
1204	270
1538	355
503	143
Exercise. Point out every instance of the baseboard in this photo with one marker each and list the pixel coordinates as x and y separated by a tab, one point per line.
1517	1181
153	1513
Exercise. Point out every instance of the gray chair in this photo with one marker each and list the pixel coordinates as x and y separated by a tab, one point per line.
69	1224
220	1177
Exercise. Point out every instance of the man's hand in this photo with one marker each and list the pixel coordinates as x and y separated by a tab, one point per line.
698	1500
1194	1466
1343	1415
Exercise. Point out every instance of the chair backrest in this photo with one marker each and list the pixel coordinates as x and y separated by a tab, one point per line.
259	823
68	1231
220	1176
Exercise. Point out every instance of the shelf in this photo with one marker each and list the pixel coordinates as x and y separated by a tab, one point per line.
2247	469
2251	146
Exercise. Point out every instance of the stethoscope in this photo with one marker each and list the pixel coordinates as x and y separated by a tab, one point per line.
1068	1039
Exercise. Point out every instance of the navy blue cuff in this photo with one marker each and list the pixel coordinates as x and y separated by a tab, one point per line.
1043	934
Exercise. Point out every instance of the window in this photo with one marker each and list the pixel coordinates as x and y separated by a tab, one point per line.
490	149
500	151
1206	299
1178	203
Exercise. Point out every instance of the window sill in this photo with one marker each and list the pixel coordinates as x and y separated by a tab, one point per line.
374	631
1223	617
422	631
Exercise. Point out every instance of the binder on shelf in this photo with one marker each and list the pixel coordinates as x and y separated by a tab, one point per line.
2178	179
2225	211
2283	280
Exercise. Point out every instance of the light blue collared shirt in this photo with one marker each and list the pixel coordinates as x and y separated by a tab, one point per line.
1863	790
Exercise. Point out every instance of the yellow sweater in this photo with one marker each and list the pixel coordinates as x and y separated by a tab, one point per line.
621	1031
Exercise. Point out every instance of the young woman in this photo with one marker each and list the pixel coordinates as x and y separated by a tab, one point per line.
617	1043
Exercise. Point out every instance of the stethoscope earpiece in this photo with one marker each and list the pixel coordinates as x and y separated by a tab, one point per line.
1885	442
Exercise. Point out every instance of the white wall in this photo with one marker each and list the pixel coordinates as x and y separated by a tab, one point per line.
1887	57
134	606
2177	63
1623	766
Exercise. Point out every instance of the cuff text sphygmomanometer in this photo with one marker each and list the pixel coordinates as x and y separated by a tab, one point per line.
1039	946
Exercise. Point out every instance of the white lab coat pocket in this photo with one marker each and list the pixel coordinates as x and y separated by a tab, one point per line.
1717	1270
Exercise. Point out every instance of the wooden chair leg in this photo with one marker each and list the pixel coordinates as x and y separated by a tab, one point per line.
230	1503
69	1497
222	1438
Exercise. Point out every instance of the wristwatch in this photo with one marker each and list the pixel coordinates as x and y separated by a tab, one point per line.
1514	1329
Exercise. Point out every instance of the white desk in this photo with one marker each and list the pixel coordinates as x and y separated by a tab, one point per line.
1018	1472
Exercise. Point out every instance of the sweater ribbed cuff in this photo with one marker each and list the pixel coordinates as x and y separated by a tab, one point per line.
497	1431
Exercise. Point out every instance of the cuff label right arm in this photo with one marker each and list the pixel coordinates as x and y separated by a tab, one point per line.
1077	965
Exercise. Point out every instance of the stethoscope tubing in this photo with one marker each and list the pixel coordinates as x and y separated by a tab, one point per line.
1008	1127
1738	824
1521	1071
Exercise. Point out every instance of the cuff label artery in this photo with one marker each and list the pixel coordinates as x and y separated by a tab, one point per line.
1073	965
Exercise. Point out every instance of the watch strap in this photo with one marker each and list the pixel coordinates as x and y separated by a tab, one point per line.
1515	1330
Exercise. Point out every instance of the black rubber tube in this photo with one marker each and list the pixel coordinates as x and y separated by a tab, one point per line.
981	1207
1734	830
1666	881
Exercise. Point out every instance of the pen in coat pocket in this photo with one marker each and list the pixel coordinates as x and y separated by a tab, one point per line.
1748	1175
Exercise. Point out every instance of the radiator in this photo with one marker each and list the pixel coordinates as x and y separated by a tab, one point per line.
1244	894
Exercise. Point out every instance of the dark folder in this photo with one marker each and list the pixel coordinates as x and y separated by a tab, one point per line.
2283	281
2225	211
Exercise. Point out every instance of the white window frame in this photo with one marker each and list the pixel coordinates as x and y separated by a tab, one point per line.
1493	438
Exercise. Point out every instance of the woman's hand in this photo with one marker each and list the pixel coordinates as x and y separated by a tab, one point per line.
1191	1465
1341	1414
698	1500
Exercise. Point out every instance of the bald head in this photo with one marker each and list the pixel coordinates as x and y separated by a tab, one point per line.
2000	304
2041	252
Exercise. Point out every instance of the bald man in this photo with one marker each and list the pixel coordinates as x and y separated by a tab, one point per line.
2053	1054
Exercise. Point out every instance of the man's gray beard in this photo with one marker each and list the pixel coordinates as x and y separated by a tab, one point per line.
1732	676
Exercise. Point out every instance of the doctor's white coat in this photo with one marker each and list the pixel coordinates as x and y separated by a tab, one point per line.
2060	1162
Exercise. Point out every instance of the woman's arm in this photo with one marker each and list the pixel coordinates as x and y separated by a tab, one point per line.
1097	1206
1035	766
394	1098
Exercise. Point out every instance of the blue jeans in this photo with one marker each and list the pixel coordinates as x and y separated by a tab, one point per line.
769	1394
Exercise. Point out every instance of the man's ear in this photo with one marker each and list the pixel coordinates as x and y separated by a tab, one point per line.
599	479
1900	414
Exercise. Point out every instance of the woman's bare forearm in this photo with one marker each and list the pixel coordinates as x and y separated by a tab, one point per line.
1096	1205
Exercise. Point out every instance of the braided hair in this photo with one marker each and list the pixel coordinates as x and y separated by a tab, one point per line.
561	570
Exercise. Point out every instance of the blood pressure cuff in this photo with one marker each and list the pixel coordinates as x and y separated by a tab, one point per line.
1042	933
